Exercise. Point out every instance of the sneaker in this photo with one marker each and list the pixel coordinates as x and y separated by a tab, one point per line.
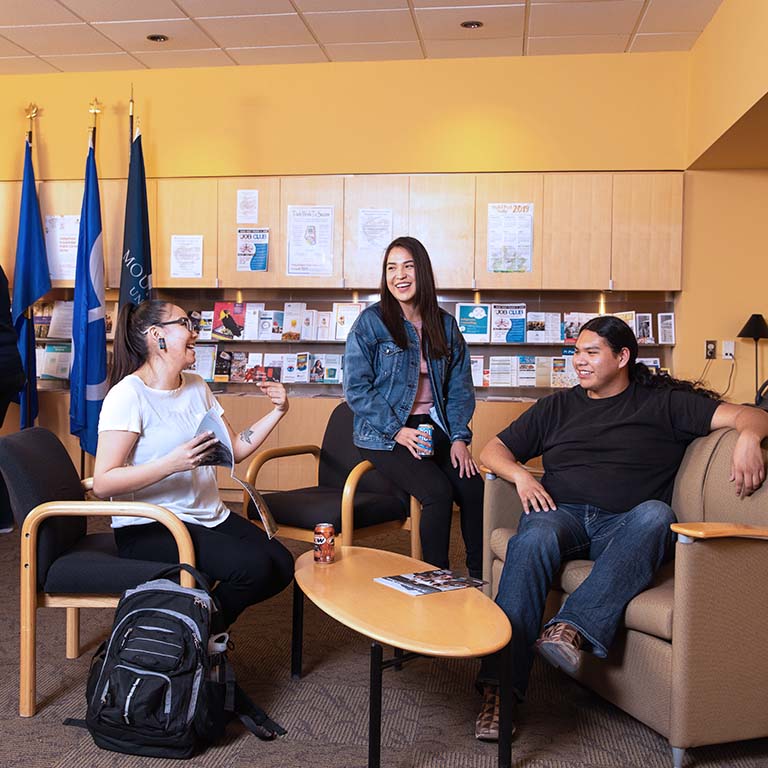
559	644
487	723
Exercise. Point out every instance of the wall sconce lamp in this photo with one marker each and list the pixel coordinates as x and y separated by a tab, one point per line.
755	328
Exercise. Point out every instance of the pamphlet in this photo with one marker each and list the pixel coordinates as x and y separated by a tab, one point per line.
429	582
474	321
228	320
508	323
222	455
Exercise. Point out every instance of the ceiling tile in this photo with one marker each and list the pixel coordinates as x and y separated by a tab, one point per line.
673	42
59	38
132	35
308	6
212	57
373	51
24	65
256	31
548	46
119	10
445	23
665	16
463	3
94	62
278	54
35	12
200	8
454	49
362	26
7	48
607	17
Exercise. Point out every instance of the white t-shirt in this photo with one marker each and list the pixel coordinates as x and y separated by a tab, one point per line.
163	419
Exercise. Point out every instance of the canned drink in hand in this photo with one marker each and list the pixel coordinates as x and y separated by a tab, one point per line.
325	543
426	430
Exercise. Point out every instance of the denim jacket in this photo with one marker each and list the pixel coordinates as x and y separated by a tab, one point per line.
380	381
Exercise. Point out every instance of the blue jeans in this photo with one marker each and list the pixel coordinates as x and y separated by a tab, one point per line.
627	547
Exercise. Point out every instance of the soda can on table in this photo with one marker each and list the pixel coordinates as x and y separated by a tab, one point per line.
325	543
426	429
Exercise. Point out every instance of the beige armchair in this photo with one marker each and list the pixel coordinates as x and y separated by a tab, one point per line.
691	661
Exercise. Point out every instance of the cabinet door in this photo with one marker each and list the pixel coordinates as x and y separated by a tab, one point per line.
646	250
267	215
113	192
442	216
60	198
508	188
577	231
10	200
185	207
490	418
310	191
362	264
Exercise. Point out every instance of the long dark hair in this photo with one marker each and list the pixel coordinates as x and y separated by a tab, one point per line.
130	350
618	335
434	343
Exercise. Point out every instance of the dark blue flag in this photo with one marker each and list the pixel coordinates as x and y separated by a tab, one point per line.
88	379
30	283
136	267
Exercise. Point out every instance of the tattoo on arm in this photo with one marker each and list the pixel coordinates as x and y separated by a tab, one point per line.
245	435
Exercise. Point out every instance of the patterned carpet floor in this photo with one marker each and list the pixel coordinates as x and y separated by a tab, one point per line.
428	708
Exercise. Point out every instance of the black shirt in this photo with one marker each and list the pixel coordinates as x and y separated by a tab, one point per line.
613	452
11	372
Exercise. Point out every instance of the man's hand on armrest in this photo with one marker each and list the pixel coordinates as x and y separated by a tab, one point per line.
747	464
501	461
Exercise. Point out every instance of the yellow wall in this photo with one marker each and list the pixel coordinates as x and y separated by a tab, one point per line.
729	71
725	275
597	112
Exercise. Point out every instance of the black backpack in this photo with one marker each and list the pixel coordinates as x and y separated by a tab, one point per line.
161	684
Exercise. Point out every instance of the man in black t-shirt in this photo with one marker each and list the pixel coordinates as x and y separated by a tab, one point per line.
611	448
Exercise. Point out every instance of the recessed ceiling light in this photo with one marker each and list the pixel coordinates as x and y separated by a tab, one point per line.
158	38
471	24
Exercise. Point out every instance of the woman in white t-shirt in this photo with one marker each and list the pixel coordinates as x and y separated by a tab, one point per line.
148	451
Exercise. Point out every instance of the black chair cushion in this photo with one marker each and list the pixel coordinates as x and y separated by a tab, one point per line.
93	566
305	507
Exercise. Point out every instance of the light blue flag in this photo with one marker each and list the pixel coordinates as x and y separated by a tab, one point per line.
88	380
30	283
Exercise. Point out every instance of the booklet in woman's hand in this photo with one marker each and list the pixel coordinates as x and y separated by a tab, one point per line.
428	582
222	455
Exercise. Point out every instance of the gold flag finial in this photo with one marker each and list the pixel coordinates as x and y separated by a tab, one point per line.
31	111
95	109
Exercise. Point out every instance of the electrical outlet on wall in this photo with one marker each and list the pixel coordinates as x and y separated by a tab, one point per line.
710	349
728	350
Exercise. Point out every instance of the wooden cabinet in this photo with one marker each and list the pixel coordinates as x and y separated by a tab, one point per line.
577	231
646	251
507	188
362	268
267	215
185	207
311	191
10	200
60	198
442	216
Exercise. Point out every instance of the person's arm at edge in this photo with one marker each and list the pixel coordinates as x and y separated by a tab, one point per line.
747	464
502	462
246	442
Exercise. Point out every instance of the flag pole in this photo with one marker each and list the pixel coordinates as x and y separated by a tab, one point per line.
31	114
130	119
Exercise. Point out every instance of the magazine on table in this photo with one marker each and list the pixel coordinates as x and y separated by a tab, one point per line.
429	582
222	455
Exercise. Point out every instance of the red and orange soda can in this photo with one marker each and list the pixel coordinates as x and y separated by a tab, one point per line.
325	543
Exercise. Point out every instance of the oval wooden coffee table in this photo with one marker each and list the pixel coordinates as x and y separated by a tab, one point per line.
460	623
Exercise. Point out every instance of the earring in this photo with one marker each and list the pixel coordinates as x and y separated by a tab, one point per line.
161	343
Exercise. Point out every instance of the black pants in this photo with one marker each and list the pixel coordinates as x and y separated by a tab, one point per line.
236	553
6	516
436	484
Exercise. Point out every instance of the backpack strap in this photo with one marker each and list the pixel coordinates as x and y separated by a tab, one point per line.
172	570
75	721
255	719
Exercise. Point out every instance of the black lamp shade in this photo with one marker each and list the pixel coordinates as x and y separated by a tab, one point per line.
755	328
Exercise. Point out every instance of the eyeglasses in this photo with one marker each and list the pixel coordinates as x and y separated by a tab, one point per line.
187	322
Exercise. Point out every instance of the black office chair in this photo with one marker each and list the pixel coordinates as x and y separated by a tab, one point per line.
61	564
350	493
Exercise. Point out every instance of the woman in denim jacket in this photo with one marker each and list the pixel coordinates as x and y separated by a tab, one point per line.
407	364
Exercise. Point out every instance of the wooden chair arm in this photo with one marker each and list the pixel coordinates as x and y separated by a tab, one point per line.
348	501
33	520
86	484
716	530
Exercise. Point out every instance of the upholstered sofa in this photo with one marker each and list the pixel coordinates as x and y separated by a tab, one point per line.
691	661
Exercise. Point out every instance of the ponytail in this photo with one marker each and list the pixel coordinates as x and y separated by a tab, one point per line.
130	350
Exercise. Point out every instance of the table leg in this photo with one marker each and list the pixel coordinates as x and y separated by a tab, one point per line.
297	634
506	708
398	659
374	714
